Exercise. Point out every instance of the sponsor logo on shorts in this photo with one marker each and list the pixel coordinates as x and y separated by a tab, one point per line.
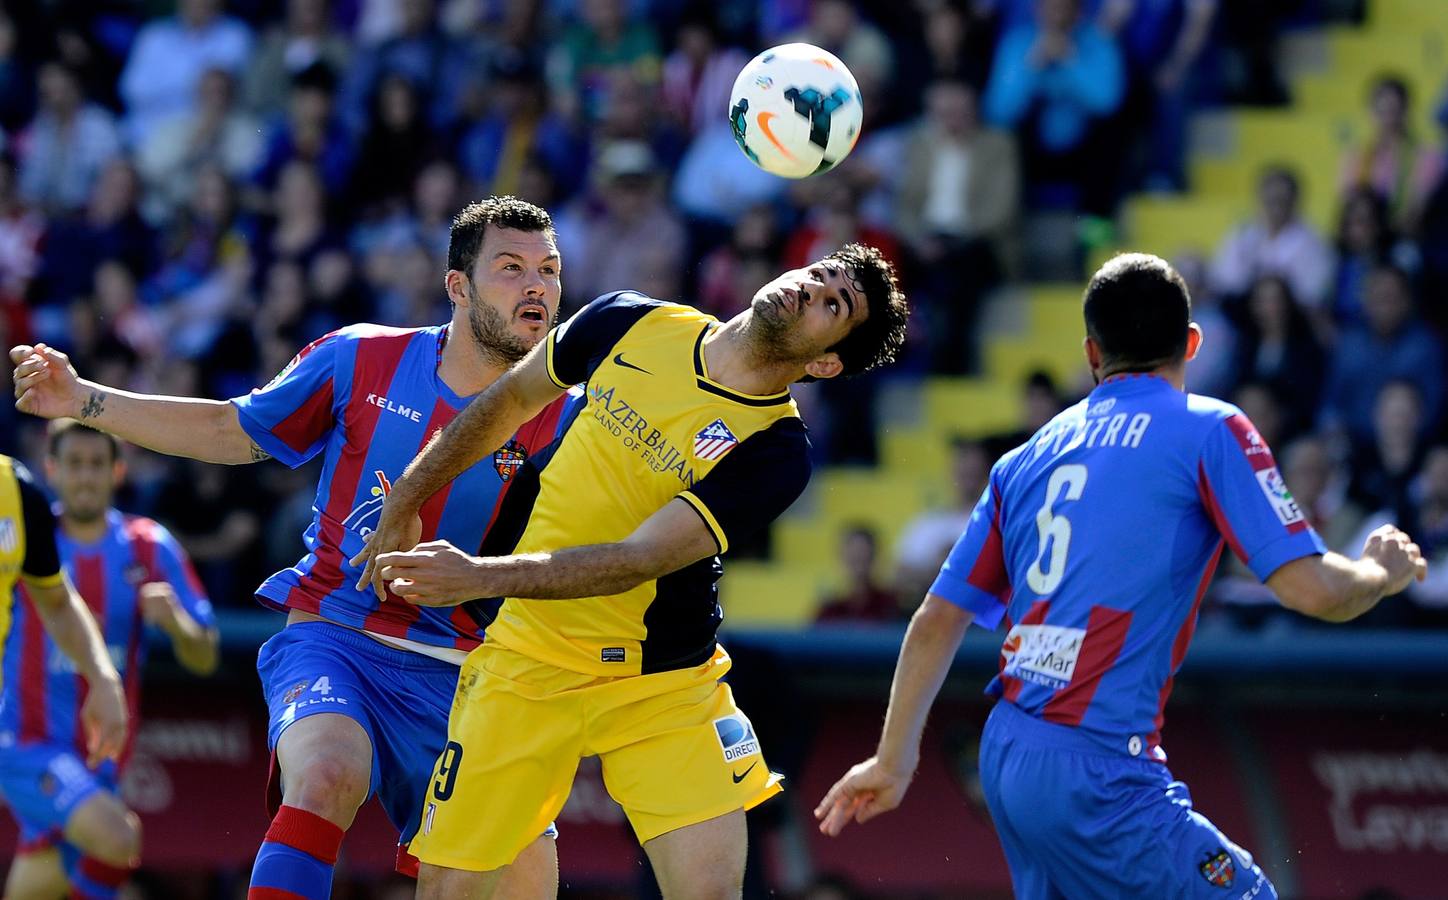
740	776
1042	654
1219	869
612	654
1279	496
736	737
294	691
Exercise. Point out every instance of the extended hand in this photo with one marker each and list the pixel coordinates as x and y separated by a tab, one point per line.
868	789
433	574
1392	549
104	716
396	531
159	604
46	384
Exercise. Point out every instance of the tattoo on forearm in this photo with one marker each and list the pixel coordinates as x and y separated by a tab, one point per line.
95	404
258	454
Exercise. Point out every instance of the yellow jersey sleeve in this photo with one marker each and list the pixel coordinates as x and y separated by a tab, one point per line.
577	347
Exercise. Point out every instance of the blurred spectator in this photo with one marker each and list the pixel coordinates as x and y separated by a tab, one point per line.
949	41
310	132
17	76
1384	465
303	37
632	111
301	225
830	224
957	207
1319	483
863	598
215	513
1364	242
1161	42
1041	401
206	260
715	183
927	540
836	26
605	38
338	298
1213	370
1392	163
21	231
119	310
730	274
516	128
1393	345
396	144
1277	348
1055	82
1264	409
627	238
699	73
67	145
110	228
425	222
422	53
170	56
216	133
1429	524
1277	243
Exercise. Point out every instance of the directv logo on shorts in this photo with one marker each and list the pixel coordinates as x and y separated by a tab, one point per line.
736	736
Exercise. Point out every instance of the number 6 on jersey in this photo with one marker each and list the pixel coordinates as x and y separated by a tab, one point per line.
1070	481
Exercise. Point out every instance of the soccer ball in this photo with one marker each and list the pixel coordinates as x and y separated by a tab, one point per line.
795	110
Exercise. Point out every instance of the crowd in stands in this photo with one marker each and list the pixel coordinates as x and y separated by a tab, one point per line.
190	192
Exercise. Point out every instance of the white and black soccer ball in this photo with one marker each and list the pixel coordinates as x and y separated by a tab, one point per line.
795	110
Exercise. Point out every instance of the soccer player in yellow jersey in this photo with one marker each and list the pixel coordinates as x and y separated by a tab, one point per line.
95	820
605	644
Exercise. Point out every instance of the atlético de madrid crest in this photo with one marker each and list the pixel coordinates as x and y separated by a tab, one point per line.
714	441
509	459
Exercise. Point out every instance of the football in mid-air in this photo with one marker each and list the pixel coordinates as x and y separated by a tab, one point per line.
795	110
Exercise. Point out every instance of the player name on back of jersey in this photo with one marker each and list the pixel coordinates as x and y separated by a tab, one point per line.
1099	427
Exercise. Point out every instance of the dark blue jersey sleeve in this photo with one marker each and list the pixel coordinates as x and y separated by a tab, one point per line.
756	482
42	556
576	347
291	417
1247	499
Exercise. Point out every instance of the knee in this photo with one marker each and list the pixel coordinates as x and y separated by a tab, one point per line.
332	786
114	837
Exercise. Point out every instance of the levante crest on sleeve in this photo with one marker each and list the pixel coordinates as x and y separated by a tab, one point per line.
1219	869
509	459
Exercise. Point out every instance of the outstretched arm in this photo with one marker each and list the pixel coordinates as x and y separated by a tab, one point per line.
481	428
1335	588
46	385
878	784
439	574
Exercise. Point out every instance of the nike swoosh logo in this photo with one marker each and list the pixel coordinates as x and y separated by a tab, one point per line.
740	776
618	360
763	120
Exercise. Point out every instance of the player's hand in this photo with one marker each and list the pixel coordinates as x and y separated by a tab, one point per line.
868	789
46	384
1391	548
433	574
104	716
396	531
159	605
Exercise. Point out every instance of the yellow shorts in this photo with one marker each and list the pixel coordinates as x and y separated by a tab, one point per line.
675	751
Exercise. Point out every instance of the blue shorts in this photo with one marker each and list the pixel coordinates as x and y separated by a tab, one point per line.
1078	821
43	784
400	698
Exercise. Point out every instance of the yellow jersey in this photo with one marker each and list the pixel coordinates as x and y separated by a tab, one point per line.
654	427
27	542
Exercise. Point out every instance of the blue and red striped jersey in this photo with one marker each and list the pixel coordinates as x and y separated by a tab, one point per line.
43	692
1097	538
367	398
